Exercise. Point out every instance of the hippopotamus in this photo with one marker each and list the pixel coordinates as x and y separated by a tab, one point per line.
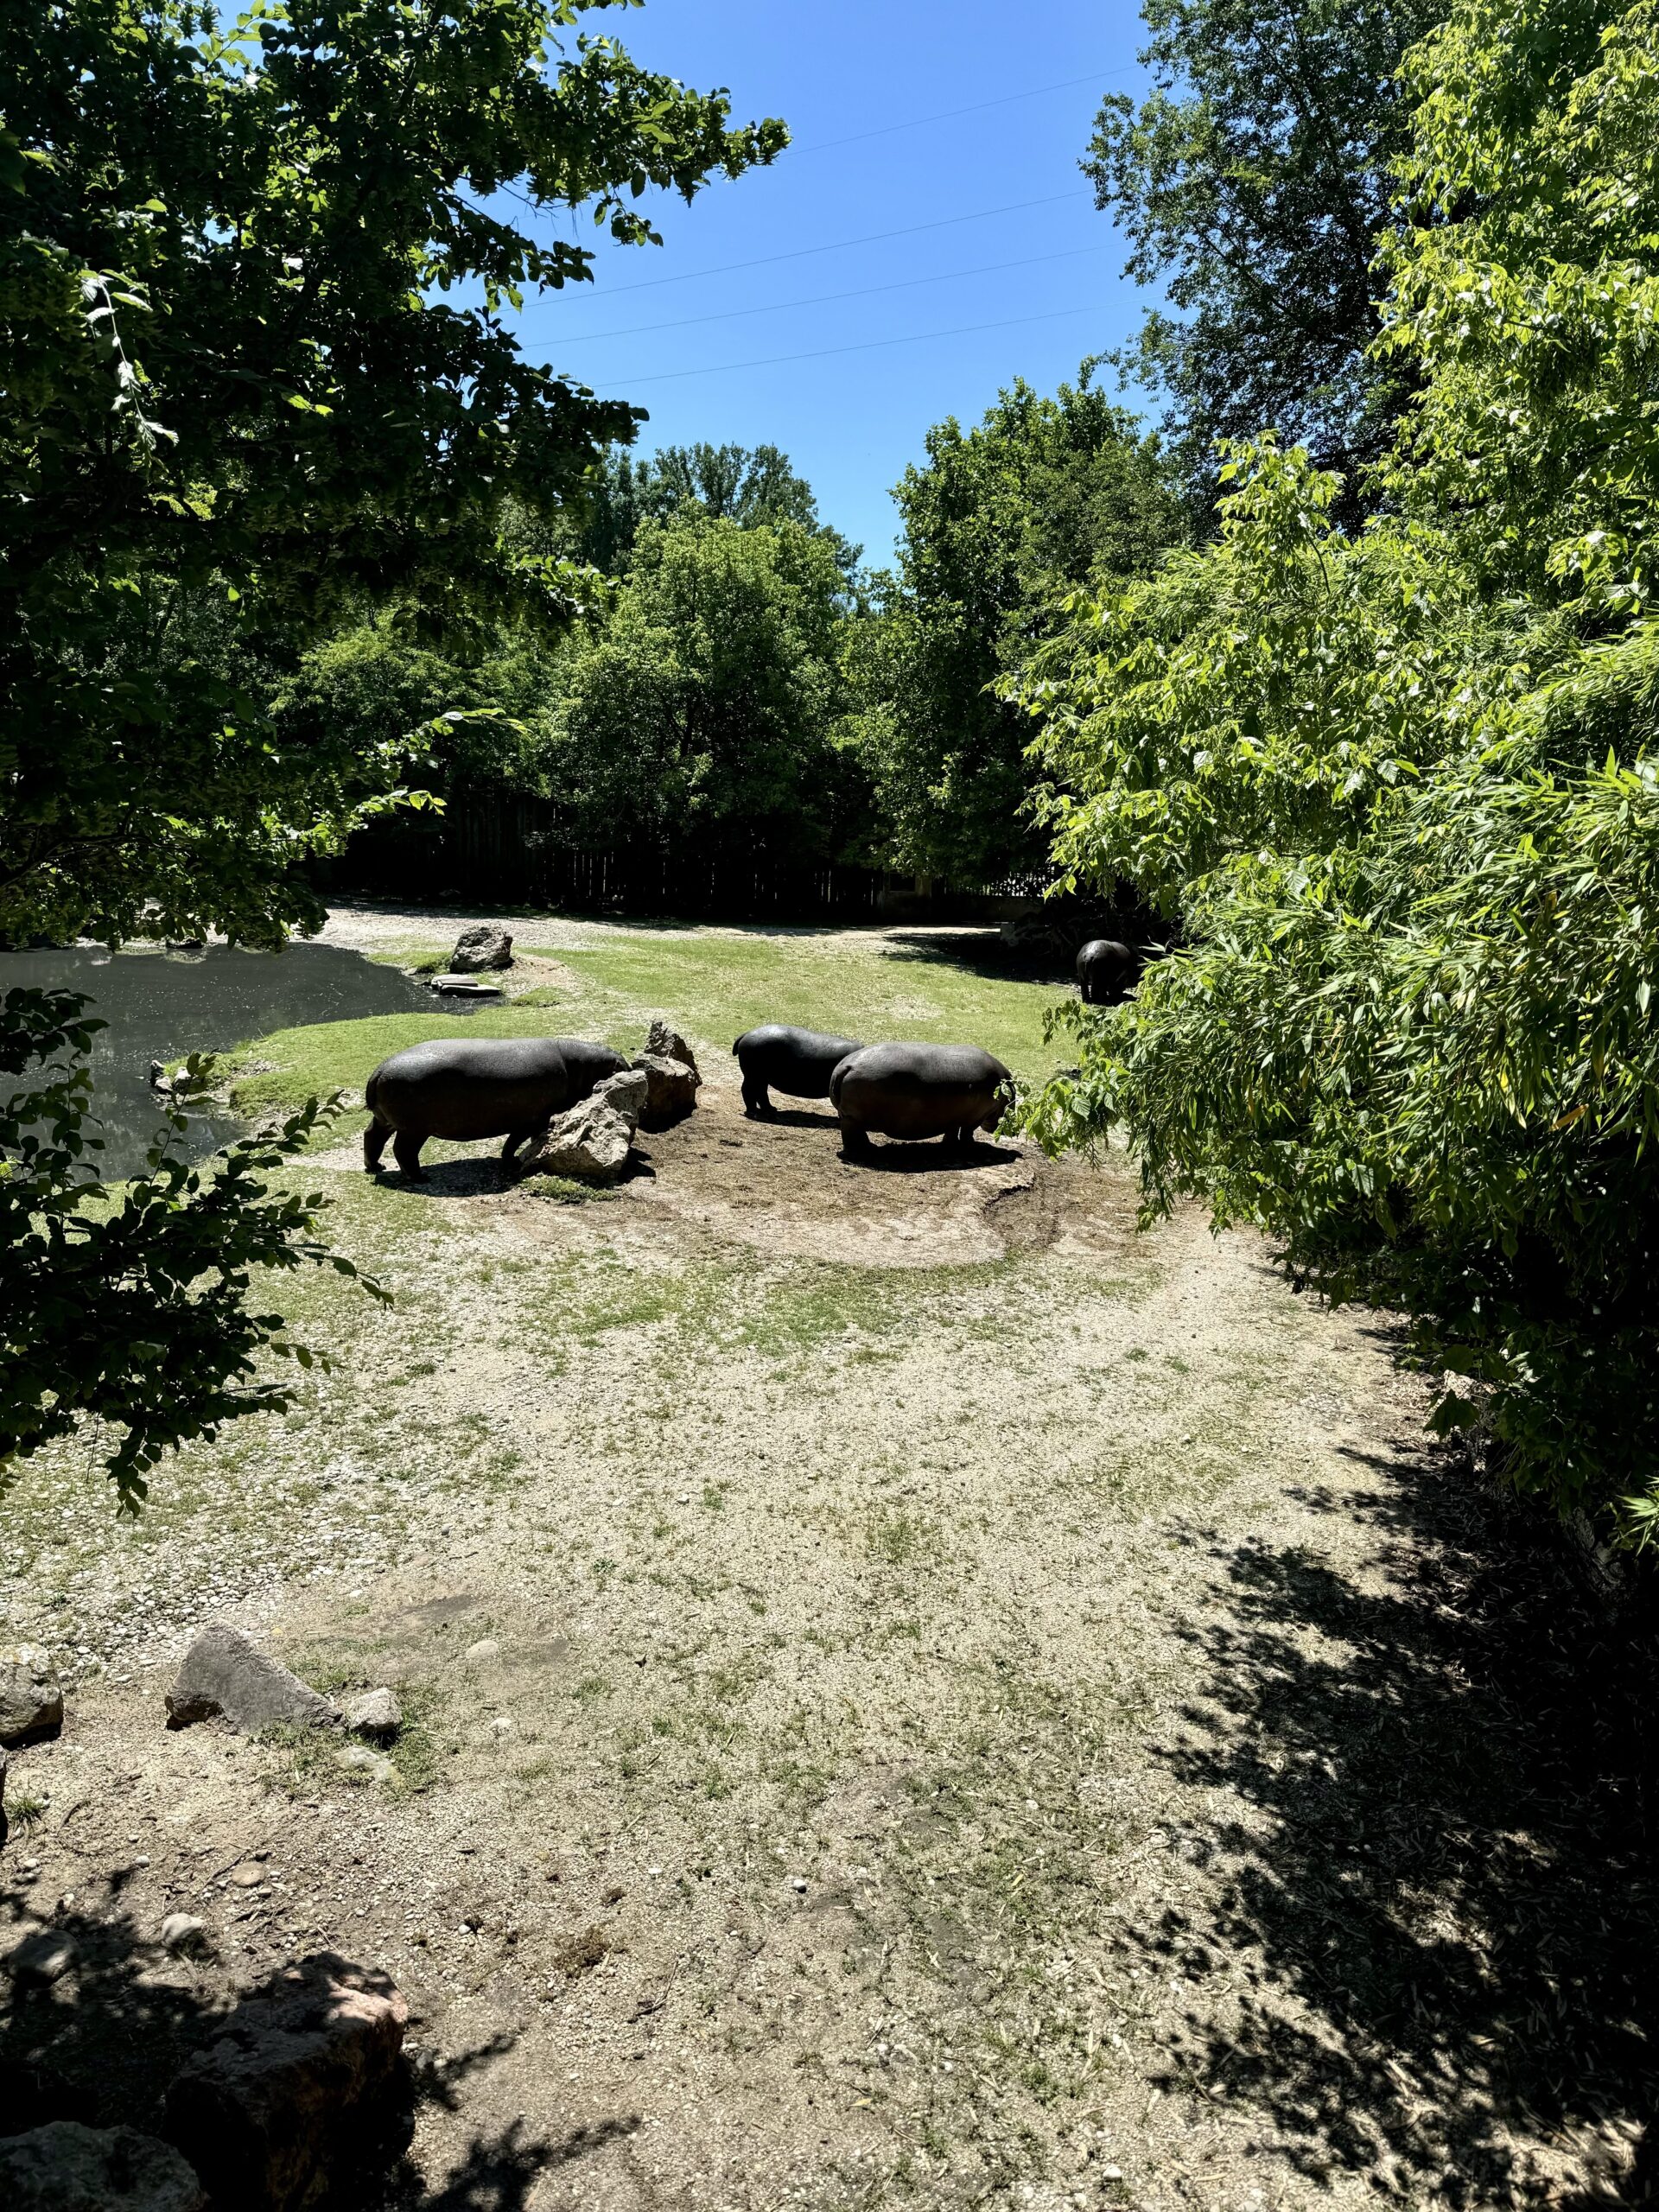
1107	971
797	1062
465	1088
918	1090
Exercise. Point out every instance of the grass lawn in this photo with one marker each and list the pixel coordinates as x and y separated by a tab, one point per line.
712	984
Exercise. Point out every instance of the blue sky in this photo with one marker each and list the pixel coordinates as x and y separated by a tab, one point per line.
1049	274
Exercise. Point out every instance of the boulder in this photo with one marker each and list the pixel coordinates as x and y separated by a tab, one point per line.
31	1697
298	2088
68	2167
375	1713
626	1094
42	1959
665	1044
590	1144
483	947
224	1673
672	1088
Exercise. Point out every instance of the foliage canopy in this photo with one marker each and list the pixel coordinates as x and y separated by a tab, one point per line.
251	345
1253	184
1398	792
1040	496
705	710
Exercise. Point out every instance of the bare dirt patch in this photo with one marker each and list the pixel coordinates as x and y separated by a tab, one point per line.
916	1695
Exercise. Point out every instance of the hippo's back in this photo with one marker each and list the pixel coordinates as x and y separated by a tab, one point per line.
1105	963
918	1089
799	1062
466	1087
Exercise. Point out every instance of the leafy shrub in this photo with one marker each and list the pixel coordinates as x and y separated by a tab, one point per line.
1396	793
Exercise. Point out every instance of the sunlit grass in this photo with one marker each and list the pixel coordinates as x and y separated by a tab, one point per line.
712	984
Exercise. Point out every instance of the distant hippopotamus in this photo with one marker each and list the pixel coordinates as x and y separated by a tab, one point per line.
918	1090
464	1088
797	1062
1107	971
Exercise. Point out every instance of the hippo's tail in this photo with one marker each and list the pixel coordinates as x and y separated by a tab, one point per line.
370	1094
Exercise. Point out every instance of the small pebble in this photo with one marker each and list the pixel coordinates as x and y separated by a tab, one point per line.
482	1653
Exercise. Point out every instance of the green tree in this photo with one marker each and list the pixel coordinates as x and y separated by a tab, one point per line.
705	715
375	680
1038	498
1253	185
1400	789
749	486
256	374
251	336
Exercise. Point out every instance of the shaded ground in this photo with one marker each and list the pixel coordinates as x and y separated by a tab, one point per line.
987	1709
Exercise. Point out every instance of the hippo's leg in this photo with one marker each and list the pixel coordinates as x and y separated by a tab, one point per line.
406	1151
757	1101
965	1139
519	1137
854	1143
374	1143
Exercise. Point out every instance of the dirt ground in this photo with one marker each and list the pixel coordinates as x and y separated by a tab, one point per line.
916	1694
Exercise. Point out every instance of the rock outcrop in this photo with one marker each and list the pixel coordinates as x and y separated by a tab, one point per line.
665	1044
590	1144
673	1078
481	948
299	2088
31	1697
68	2167
226	1674
42	1959
626	1094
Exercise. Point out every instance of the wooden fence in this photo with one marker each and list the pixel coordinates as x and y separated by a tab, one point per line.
503	850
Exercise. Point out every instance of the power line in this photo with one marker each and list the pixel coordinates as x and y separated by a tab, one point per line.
950	114
839	245
870	346
826	299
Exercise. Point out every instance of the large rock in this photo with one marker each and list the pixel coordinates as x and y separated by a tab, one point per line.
590	1144
225	1673
68	2167
296	2089
42	1959
665	1044
31	1697
483	947
626	1094
672	1088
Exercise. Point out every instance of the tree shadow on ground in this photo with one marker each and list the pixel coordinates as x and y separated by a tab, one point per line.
1445	1907
982	952
99	2045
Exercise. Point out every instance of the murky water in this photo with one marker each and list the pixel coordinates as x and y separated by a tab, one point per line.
159	1006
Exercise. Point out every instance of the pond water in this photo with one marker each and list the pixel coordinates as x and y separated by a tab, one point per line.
159	1006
